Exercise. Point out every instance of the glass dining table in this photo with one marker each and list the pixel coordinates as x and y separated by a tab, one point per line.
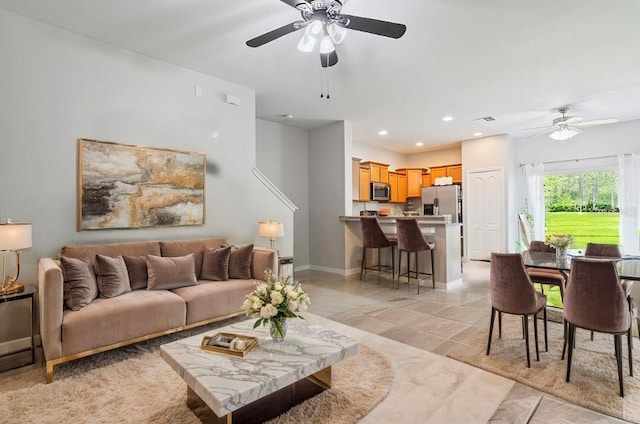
628	266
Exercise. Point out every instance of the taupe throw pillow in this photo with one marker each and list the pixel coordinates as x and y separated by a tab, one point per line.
171	273
80	286
113	278
240	262
137	270
215	264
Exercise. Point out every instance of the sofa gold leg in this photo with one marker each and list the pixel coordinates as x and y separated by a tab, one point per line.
49	372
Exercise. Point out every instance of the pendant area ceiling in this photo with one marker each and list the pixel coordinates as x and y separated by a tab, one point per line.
515	61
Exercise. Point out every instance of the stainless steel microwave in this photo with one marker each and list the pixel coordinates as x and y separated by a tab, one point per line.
380	192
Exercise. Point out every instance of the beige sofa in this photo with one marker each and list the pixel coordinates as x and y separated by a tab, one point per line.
139	314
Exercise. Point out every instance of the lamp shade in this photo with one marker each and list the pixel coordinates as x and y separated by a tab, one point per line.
271	229
15	236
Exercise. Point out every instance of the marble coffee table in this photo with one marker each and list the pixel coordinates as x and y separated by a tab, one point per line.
269	380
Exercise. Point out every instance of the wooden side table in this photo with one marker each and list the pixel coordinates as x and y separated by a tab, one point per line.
14	313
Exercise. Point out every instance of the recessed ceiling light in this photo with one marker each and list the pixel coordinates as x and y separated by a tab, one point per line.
447	118
383	132
419	144
477	134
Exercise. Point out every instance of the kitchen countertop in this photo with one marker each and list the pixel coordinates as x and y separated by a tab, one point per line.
422	220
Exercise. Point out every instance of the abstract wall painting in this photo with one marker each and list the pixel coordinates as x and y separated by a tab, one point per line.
126	186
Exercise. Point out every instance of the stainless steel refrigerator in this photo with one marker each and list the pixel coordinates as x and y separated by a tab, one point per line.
443	200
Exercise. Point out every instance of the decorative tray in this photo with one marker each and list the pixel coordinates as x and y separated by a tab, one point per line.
229	343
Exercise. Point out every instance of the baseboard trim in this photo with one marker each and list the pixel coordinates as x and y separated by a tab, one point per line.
338	271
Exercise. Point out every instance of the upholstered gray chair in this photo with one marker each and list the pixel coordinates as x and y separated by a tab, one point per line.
374	238
411	240
595	300
546	276
512	292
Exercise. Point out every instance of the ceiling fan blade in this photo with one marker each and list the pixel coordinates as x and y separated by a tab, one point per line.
275	34
328	59
299	4
539	128
374	26
547	131
596	122
573	120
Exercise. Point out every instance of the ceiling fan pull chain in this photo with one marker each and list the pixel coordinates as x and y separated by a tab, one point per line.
327	84
321	83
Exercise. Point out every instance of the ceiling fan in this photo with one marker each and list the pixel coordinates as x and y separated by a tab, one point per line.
565	127
323	21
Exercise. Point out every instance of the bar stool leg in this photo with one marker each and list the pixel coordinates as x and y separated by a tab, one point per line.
364	260
379	266
417	273
433	272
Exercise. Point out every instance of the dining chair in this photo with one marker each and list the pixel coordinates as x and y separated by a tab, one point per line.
374	238
512	292
595	300
543	276
411	240
598	249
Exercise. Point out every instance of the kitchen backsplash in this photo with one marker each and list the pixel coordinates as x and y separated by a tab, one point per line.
396	208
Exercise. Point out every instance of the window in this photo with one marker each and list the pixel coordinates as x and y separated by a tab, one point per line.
583	203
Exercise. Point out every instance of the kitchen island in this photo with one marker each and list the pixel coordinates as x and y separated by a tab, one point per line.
437	229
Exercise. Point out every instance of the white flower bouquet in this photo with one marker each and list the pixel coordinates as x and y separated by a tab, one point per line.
275	301
559	241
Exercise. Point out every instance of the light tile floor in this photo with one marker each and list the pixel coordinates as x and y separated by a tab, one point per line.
429	388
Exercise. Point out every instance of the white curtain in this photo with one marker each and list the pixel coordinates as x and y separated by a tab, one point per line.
629	203
534	176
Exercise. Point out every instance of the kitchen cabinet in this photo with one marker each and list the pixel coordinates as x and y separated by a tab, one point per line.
414	180
393	183
402	188
365	182
437	172
379	171
426	180
454	171
398	185
355	179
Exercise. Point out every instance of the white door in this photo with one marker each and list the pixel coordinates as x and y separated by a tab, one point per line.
485	226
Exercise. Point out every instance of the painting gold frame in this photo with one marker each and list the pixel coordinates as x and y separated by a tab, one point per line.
128	186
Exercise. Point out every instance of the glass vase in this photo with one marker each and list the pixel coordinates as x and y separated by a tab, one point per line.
561	253
278	329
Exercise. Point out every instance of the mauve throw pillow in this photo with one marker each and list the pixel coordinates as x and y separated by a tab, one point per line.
137	270
215	264
171	273
240	262
80	286
113	278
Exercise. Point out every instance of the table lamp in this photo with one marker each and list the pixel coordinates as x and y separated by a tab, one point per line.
14	237
271	229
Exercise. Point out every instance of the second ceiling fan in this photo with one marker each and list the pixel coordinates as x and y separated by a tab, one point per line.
324	22
565	127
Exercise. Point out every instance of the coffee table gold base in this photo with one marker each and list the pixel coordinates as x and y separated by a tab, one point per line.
267	407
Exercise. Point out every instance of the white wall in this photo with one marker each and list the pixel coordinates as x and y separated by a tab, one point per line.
375	154
283	156
440	157
57	86
329	195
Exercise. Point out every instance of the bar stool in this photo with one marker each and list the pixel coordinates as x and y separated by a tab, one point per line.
374	238
411	240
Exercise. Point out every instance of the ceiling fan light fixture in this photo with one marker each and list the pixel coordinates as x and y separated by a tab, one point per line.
326	45
336	32
315	28
307	43
563	134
